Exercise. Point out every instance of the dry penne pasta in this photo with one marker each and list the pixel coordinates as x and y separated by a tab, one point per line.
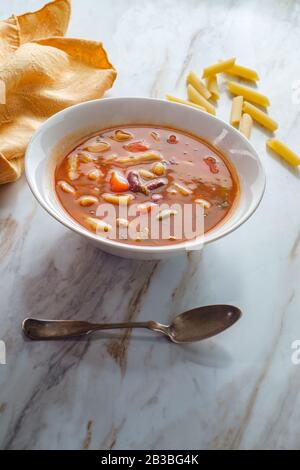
195	97
285	152
118	199
98	147
182	189
73	164
86	201
205	204
243	72
181	101
259	116
236	110
166	213
2	92
248	93
246	124
193	80
139	158
66	187
219	67
97	225
212	85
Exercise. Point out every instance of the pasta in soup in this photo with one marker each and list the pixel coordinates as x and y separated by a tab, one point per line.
155	170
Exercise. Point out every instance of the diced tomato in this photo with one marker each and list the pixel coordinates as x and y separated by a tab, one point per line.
138	146
212	164
118	182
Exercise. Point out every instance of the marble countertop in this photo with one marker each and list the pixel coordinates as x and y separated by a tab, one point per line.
239	390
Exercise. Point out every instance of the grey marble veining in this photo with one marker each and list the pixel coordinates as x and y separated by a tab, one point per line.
239	390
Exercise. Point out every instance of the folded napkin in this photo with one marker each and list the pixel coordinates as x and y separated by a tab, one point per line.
42	72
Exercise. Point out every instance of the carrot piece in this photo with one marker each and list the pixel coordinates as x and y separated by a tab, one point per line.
118	183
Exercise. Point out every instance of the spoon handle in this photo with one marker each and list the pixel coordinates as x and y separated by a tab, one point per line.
58	329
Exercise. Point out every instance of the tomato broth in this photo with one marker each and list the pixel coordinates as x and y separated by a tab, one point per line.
150	167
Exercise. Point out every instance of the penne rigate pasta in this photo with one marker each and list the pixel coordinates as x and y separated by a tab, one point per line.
146	207
193	80
236	110
140	235
213	87
246	124
195	97
139	158
248	93
97	224
259	116
219	67
165	214
181	101
73	164
182	189
123	223
243	72
283	151
202	202
118	199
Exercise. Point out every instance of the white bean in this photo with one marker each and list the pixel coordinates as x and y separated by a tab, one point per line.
98	147
66	187
120	136
86	201
94	175
146	174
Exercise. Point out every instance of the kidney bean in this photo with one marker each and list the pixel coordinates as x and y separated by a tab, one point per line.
156	184
135	184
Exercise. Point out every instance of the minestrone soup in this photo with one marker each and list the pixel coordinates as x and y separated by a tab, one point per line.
153	169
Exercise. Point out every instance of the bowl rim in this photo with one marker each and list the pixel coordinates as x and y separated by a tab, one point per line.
143	249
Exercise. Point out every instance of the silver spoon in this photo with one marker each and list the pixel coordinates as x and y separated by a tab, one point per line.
190	326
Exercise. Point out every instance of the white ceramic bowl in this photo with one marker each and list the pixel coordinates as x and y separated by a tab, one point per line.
64	130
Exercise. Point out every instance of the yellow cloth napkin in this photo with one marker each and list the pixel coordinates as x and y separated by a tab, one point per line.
41	72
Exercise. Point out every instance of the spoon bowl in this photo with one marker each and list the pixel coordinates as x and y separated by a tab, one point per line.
204	322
